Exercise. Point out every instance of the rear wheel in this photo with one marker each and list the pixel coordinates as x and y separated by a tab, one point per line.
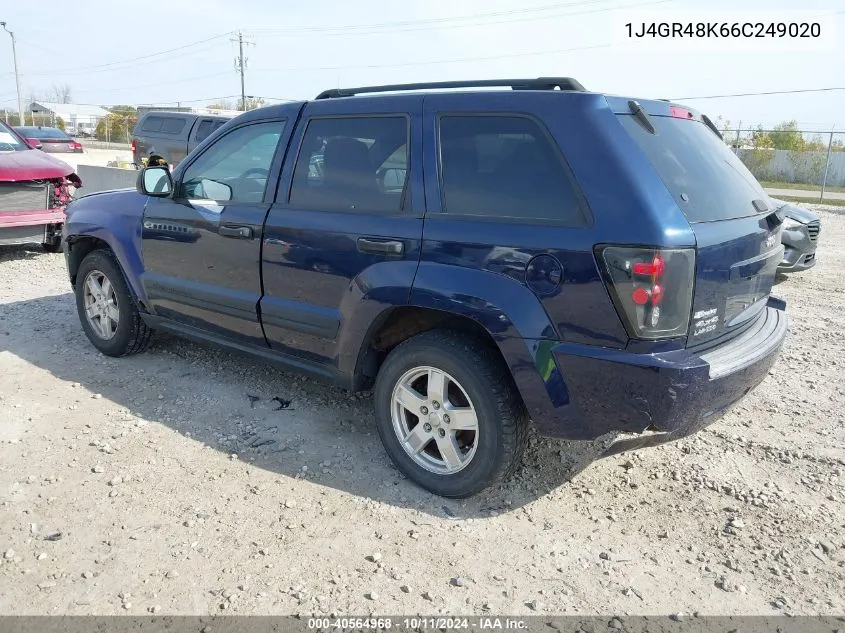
107	310
448	414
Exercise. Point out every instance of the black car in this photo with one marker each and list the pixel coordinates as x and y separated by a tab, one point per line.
801	228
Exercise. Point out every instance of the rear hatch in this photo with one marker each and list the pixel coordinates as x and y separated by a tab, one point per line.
736	227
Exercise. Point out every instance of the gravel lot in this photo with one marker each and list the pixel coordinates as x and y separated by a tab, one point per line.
172	482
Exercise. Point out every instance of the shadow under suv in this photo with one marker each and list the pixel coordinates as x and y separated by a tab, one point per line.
480	258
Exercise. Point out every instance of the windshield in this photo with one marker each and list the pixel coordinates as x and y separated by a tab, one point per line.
9	141
42	133
706	179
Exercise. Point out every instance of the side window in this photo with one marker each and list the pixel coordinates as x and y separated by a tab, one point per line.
152	124
172	126
203	130
236	166
507	167
352	163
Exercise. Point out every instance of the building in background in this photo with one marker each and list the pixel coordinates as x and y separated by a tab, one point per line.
79	120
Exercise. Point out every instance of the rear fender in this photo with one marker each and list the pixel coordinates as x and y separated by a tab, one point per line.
517	322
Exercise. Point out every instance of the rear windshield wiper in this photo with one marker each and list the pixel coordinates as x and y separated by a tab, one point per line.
709	124
641	116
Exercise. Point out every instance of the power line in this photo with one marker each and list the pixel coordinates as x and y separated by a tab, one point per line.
439	61
161	83
345	31
758	94
133	59
120	66
457	18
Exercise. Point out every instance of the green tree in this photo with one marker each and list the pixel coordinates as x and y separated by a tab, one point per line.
786	136
223	104
251	103
761	153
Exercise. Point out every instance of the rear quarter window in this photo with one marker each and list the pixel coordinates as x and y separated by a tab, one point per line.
706	179
163	125
505	166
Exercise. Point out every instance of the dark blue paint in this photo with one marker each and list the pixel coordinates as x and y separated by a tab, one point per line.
301	293
115	218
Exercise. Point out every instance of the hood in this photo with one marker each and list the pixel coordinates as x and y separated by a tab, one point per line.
801	214
31	164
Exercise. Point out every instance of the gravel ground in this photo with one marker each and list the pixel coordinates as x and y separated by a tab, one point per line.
173	482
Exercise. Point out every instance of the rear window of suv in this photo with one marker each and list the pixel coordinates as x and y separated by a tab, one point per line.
165	125
706	179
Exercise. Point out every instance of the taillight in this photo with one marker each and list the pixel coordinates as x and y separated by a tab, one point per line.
134	146
651	288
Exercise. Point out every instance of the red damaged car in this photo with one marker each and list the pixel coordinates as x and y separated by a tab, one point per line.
34	189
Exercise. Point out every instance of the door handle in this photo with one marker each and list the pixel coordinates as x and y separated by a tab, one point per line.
235	231
380	247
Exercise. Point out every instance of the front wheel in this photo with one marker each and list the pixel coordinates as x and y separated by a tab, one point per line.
448	414
107	310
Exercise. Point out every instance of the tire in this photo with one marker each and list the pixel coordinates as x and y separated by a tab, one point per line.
476	379
129	333
52	247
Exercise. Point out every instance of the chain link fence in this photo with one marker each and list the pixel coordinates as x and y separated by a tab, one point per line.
113	131
804	165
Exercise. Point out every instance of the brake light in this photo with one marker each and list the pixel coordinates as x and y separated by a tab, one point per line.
134	146
651	288
680	113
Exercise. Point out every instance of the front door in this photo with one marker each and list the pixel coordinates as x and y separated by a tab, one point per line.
346	226
202	246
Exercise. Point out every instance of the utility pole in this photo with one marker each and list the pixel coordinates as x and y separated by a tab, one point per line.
240	66
826	165
17	75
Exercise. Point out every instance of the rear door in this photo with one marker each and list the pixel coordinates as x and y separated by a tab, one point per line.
202	246
736	227
347	222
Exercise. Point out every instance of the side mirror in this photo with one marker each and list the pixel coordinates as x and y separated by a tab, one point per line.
214	190
155	181
393	179
34	143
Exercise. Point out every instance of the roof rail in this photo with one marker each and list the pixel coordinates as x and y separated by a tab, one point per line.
540	83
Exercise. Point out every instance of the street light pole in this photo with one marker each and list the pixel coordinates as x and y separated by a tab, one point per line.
22	121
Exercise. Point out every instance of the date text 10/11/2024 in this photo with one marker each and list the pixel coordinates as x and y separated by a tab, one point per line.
418	623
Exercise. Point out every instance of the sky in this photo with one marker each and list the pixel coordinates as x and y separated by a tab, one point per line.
116	54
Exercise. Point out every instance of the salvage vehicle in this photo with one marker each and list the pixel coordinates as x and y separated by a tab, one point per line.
590	263
801	229
171	135
34	189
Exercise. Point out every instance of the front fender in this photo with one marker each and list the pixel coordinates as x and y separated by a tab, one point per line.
116	218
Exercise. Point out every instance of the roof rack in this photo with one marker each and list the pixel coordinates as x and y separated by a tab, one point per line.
540	83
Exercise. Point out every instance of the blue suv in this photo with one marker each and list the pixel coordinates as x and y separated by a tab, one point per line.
482	256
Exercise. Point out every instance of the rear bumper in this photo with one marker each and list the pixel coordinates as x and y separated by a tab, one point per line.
28	227
595	391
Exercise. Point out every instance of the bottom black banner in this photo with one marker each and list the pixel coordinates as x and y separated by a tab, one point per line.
547	624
